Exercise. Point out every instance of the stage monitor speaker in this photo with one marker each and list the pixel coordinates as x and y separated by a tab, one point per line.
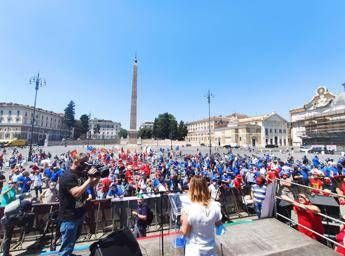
328	205
117	243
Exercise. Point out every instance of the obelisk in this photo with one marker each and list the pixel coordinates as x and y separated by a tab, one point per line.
132	133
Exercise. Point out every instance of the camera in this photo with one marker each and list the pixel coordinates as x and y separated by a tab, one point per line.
102	170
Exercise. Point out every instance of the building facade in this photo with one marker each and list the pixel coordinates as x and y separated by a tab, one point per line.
148	125
198	131
103	129
321	121
16	120
257	131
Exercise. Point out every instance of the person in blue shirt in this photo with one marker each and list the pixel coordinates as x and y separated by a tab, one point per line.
91	193
24	182
115	191
305	175
56	174
316	161
47	176
327	171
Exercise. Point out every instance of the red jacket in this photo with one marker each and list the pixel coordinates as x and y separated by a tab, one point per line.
310	220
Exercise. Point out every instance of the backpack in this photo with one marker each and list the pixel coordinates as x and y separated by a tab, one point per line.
149	217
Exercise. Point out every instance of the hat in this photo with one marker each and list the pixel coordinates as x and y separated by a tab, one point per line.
140	196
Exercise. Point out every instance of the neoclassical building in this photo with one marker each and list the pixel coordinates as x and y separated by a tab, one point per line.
239	129
198	131
16	120
103	129
257	131
321	121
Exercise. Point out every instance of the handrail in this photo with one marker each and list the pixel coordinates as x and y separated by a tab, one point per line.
318	234
320	190
321	214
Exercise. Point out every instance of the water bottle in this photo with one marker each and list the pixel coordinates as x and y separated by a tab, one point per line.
220	230
179	242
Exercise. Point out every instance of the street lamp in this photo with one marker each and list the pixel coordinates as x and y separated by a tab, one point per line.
209	96
38	82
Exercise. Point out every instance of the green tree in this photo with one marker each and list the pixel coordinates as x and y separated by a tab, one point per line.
84	123
123	133
165	127
70	114
182	131
145	133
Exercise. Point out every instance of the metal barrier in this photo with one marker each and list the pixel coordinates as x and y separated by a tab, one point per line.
107	215
320	214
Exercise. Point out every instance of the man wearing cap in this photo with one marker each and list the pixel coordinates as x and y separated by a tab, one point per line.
140	217
72	196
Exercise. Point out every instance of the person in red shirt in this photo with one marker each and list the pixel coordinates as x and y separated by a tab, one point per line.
316	182
308	216
272	174
340	238
105	186
238	182
341	192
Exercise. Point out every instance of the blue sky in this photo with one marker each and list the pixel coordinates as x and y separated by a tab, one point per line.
255	56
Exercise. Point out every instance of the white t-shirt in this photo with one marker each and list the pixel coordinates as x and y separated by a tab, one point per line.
213	190
201	239
38	180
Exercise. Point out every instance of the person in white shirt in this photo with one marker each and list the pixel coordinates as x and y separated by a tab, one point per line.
214	189
38	182
199	220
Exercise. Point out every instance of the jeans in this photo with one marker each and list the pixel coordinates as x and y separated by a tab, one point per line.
258	207
139	231
38	189
70	231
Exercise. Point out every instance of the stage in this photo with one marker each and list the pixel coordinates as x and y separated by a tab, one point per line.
242	238
247	238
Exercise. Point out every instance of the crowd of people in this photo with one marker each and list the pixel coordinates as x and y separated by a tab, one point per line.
148	171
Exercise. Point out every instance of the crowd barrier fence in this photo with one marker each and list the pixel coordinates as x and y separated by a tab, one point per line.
303	189
105	215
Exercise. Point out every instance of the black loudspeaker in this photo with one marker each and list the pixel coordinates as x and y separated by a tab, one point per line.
328	205
120	242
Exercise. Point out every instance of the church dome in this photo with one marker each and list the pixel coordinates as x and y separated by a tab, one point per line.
339	100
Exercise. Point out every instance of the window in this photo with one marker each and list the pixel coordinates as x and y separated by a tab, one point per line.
275	130
18	112
266	132
1	112
9	112
280	130
240	139
271	141
266	141
270	130
284	142
284	131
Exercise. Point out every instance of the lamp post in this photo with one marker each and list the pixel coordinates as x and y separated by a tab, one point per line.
209	96
38	82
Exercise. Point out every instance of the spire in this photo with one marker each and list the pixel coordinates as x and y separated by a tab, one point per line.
135	59
132	133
